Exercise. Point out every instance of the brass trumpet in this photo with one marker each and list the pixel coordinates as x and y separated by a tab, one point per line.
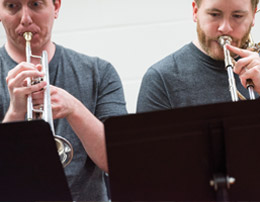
64	147
235	94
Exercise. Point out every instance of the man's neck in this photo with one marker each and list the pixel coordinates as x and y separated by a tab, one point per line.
197	44
18	55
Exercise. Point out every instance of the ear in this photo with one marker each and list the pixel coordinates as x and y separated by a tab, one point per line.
195	11
253	23
57	6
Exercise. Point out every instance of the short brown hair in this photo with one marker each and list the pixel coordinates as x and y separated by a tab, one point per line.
253	2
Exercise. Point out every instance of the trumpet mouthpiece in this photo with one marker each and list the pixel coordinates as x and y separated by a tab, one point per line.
28	36
223	40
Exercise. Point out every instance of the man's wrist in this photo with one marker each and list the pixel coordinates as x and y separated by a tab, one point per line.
13	116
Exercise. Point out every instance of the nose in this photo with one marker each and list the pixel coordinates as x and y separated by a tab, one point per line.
26	19
225	26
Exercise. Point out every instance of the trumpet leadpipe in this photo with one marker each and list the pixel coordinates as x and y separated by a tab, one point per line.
28	37
223	41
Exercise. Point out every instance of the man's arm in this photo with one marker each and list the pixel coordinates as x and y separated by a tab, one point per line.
88	126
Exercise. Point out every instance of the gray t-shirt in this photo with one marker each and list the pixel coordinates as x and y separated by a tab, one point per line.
187	77
97	85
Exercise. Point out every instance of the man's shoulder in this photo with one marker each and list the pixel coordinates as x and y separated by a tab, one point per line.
3	53
170	61
2	49
77	58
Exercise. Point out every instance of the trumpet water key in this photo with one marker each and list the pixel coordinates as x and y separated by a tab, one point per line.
64	147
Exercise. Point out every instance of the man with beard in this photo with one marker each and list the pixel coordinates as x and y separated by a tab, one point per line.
196	74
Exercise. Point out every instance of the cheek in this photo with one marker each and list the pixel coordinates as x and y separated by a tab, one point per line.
212	29
10	25
241	32
209	32
243	27
46	28
209	28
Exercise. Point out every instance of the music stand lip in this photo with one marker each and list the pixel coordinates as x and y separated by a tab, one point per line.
29	165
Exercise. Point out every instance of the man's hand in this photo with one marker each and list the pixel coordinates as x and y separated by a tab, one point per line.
248	67
19	91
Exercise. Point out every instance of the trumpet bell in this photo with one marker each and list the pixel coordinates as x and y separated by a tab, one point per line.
65	150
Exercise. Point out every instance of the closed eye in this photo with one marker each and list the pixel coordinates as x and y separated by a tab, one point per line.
237	16
214	14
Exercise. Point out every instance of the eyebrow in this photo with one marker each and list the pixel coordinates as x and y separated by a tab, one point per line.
240	11
9	0
213	9
217	10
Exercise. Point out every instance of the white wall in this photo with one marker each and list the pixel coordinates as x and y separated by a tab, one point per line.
131	34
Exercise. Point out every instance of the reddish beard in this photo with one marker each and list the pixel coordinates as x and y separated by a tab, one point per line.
216	52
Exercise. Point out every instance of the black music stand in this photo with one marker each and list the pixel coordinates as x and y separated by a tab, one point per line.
186	154
30	169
